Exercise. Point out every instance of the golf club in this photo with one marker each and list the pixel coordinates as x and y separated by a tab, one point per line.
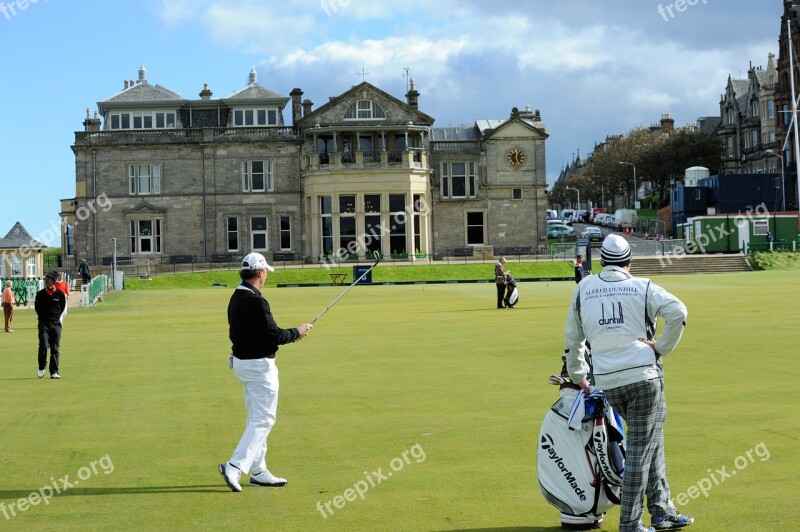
377	260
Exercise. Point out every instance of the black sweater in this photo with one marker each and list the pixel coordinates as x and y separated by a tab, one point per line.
251	327
49	305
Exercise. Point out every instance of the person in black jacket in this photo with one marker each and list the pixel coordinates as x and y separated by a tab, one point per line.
49	303
255	337
579	272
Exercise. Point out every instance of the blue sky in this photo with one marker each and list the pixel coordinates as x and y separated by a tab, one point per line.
592	68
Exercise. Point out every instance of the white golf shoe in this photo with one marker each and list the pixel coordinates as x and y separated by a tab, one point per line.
265	478
40	373
231	474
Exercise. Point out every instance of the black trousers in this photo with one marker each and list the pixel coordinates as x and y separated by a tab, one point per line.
501	292
49	336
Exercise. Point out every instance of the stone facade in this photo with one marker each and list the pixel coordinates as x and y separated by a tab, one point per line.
165	179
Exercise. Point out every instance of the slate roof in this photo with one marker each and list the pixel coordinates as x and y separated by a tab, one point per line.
255	91
19	237
143	92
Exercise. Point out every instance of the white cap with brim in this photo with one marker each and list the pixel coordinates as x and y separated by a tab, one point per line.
256	261
615	250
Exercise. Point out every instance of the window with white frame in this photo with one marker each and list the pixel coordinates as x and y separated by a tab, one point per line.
458	180
255	117
145	236
257	176
760	226
326	219
32	266
771	108
286	232
364	110
143	120
258	233
16	265
69	239
144	179
232	233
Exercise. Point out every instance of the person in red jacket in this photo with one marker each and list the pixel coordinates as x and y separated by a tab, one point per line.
61	284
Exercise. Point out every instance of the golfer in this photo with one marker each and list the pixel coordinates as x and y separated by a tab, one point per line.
255	337
616	313
49	303
8	305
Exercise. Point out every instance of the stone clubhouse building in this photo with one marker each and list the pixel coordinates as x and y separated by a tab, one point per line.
163	179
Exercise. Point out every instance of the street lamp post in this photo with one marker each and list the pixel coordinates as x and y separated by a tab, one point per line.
579	196
783	185
635	192
114	261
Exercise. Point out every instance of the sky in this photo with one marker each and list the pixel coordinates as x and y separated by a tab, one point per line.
591	68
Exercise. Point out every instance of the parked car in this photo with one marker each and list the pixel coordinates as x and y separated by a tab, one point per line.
593	234
560	231
600	218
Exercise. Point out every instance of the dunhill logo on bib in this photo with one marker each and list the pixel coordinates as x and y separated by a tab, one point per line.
616	317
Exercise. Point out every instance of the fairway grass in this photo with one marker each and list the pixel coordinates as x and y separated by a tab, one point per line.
430	383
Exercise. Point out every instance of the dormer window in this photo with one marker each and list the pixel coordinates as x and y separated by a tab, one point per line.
255	117
364	110
143	120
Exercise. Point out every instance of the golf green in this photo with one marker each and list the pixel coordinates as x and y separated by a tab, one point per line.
407	408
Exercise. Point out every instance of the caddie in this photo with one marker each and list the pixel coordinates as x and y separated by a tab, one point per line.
615	313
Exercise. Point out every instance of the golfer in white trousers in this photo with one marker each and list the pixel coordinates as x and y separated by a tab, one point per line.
255	337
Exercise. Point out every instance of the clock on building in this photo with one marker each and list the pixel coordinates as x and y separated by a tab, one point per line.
515	157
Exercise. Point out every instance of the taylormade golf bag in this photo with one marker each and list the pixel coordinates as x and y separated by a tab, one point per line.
581	456
512	294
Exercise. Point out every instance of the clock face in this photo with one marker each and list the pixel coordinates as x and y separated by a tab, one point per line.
515	157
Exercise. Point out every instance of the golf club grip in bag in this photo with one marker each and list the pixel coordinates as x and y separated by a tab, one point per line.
569	467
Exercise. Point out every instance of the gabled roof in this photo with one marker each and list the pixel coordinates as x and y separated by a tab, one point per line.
19	238
422	118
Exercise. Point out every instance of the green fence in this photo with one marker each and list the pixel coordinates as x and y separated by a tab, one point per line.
91	292
24	290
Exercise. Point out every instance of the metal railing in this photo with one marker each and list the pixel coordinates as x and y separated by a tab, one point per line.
91	292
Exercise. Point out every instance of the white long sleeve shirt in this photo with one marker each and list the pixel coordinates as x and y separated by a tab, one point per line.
611	311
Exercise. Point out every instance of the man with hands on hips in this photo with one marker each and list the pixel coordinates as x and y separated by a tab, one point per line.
616	313
255	337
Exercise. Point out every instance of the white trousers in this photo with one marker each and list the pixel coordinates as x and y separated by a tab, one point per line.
260	380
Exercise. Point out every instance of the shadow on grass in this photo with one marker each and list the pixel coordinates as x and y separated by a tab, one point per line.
510	529
140	490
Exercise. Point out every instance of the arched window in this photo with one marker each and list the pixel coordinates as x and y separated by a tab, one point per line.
364	109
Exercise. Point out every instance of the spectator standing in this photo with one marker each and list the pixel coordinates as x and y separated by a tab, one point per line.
84	271
8	306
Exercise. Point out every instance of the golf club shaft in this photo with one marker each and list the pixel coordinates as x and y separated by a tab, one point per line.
377	260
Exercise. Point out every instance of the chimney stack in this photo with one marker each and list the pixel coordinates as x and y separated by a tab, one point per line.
412	96
307	107
125	85
142	74
205	94
252	79
296	106
91	124
667	124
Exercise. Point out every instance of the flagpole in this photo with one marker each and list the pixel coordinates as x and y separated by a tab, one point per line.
794	113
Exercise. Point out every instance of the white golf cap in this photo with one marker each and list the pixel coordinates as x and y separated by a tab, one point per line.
256	261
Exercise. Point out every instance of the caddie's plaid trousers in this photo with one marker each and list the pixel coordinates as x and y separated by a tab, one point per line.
643	407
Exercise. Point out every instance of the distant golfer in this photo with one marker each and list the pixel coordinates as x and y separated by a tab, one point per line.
49	303
616	313
255	337
500	280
